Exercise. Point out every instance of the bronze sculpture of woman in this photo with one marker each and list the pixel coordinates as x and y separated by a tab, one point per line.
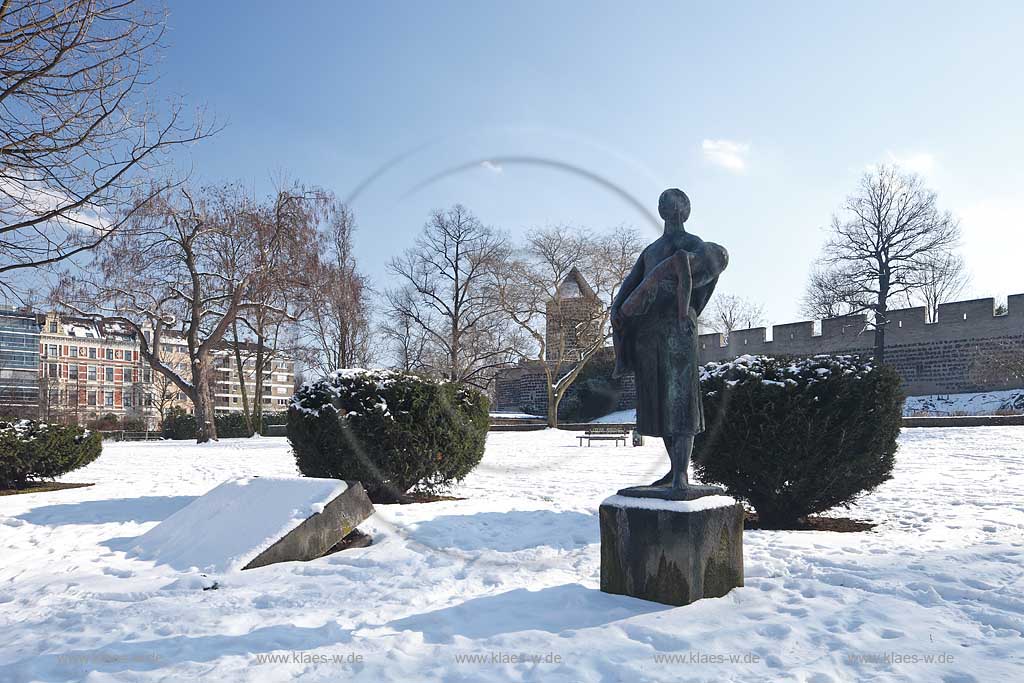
654	321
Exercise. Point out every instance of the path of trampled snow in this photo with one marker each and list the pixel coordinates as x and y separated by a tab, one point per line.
513	570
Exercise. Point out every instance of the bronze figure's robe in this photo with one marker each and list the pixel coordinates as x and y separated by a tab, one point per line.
655	330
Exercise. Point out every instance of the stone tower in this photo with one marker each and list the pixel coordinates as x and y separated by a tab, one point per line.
573	320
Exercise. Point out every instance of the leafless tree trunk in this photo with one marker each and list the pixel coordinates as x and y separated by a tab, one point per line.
882	240
729	312
79	137
444	293
531	288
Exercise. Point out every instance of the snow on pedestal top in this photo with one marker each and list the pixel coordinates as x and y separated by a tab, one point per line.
230	525
695	505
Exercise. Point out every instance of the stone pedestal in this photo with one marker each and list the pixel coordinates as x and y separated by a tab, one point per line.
671	551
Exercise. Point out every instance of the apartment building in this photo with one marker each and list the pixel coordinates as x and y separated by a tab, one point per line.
278	375
88	370
19	362
67	369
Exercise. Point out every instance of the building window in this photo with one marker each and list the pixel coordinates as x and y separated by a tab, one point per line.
91	396
52	370
109	374
73	351
51	351
147	375
92	374
53	327
108	398
110	354
127	375
126	399
72	372
92	353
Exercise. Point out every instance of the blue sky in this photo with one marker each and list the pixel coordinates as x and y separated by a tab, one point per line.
764	113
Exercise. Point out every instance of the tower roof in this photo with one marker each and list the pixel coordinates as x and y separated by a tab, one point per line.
575	286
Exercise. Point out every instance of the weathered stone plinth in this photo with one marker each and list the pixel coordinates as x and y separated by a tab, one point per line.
672	552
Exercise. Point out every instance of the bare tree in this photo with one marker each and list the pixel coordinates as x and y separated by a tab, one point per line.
830	293
408	342
545	282
943	277
79	137
267	331
163	397
882	239
729	312
336	325
443	292
184	266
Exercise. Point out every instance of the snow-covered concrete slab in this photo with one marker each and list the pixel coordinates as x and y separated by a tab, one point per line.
236	524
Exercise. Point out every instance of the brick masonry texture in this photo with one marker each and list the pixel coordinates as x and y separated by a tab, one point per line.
932	358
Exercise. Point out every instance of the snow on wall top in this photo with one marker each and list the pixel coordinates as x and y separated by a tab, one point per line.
226	528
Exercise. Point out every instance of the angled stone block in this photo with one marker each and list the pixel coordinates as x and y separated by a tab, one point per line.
320	532
250	522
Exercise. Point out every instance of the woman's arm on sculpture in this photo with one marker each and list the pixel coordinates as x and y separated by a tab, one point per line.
634	278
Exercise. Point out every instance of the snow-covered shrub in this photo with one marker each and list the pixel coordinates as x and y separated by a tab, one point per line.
797	437
32	450
392	431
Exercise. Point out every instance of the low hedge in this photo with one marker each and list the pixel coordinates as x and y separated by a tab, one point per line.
795	437
32	450
394	432
179	424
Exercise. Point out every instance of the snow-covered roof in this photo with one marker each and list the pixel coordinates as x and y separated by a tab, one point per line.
575	286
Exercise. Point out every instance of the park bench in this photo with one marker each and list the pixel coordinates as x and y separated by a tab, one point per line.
609	433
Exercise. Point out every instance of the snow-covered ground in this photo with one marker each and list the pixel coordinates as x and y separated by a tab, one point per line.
984	403
461	590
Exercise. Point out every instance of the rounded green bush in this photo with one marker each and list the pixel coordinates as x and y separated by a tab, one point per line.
32	450
794	437
392	431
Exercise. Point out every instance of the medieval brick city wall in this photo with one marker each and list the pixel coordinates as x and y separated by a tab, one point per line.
943	357
524	388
